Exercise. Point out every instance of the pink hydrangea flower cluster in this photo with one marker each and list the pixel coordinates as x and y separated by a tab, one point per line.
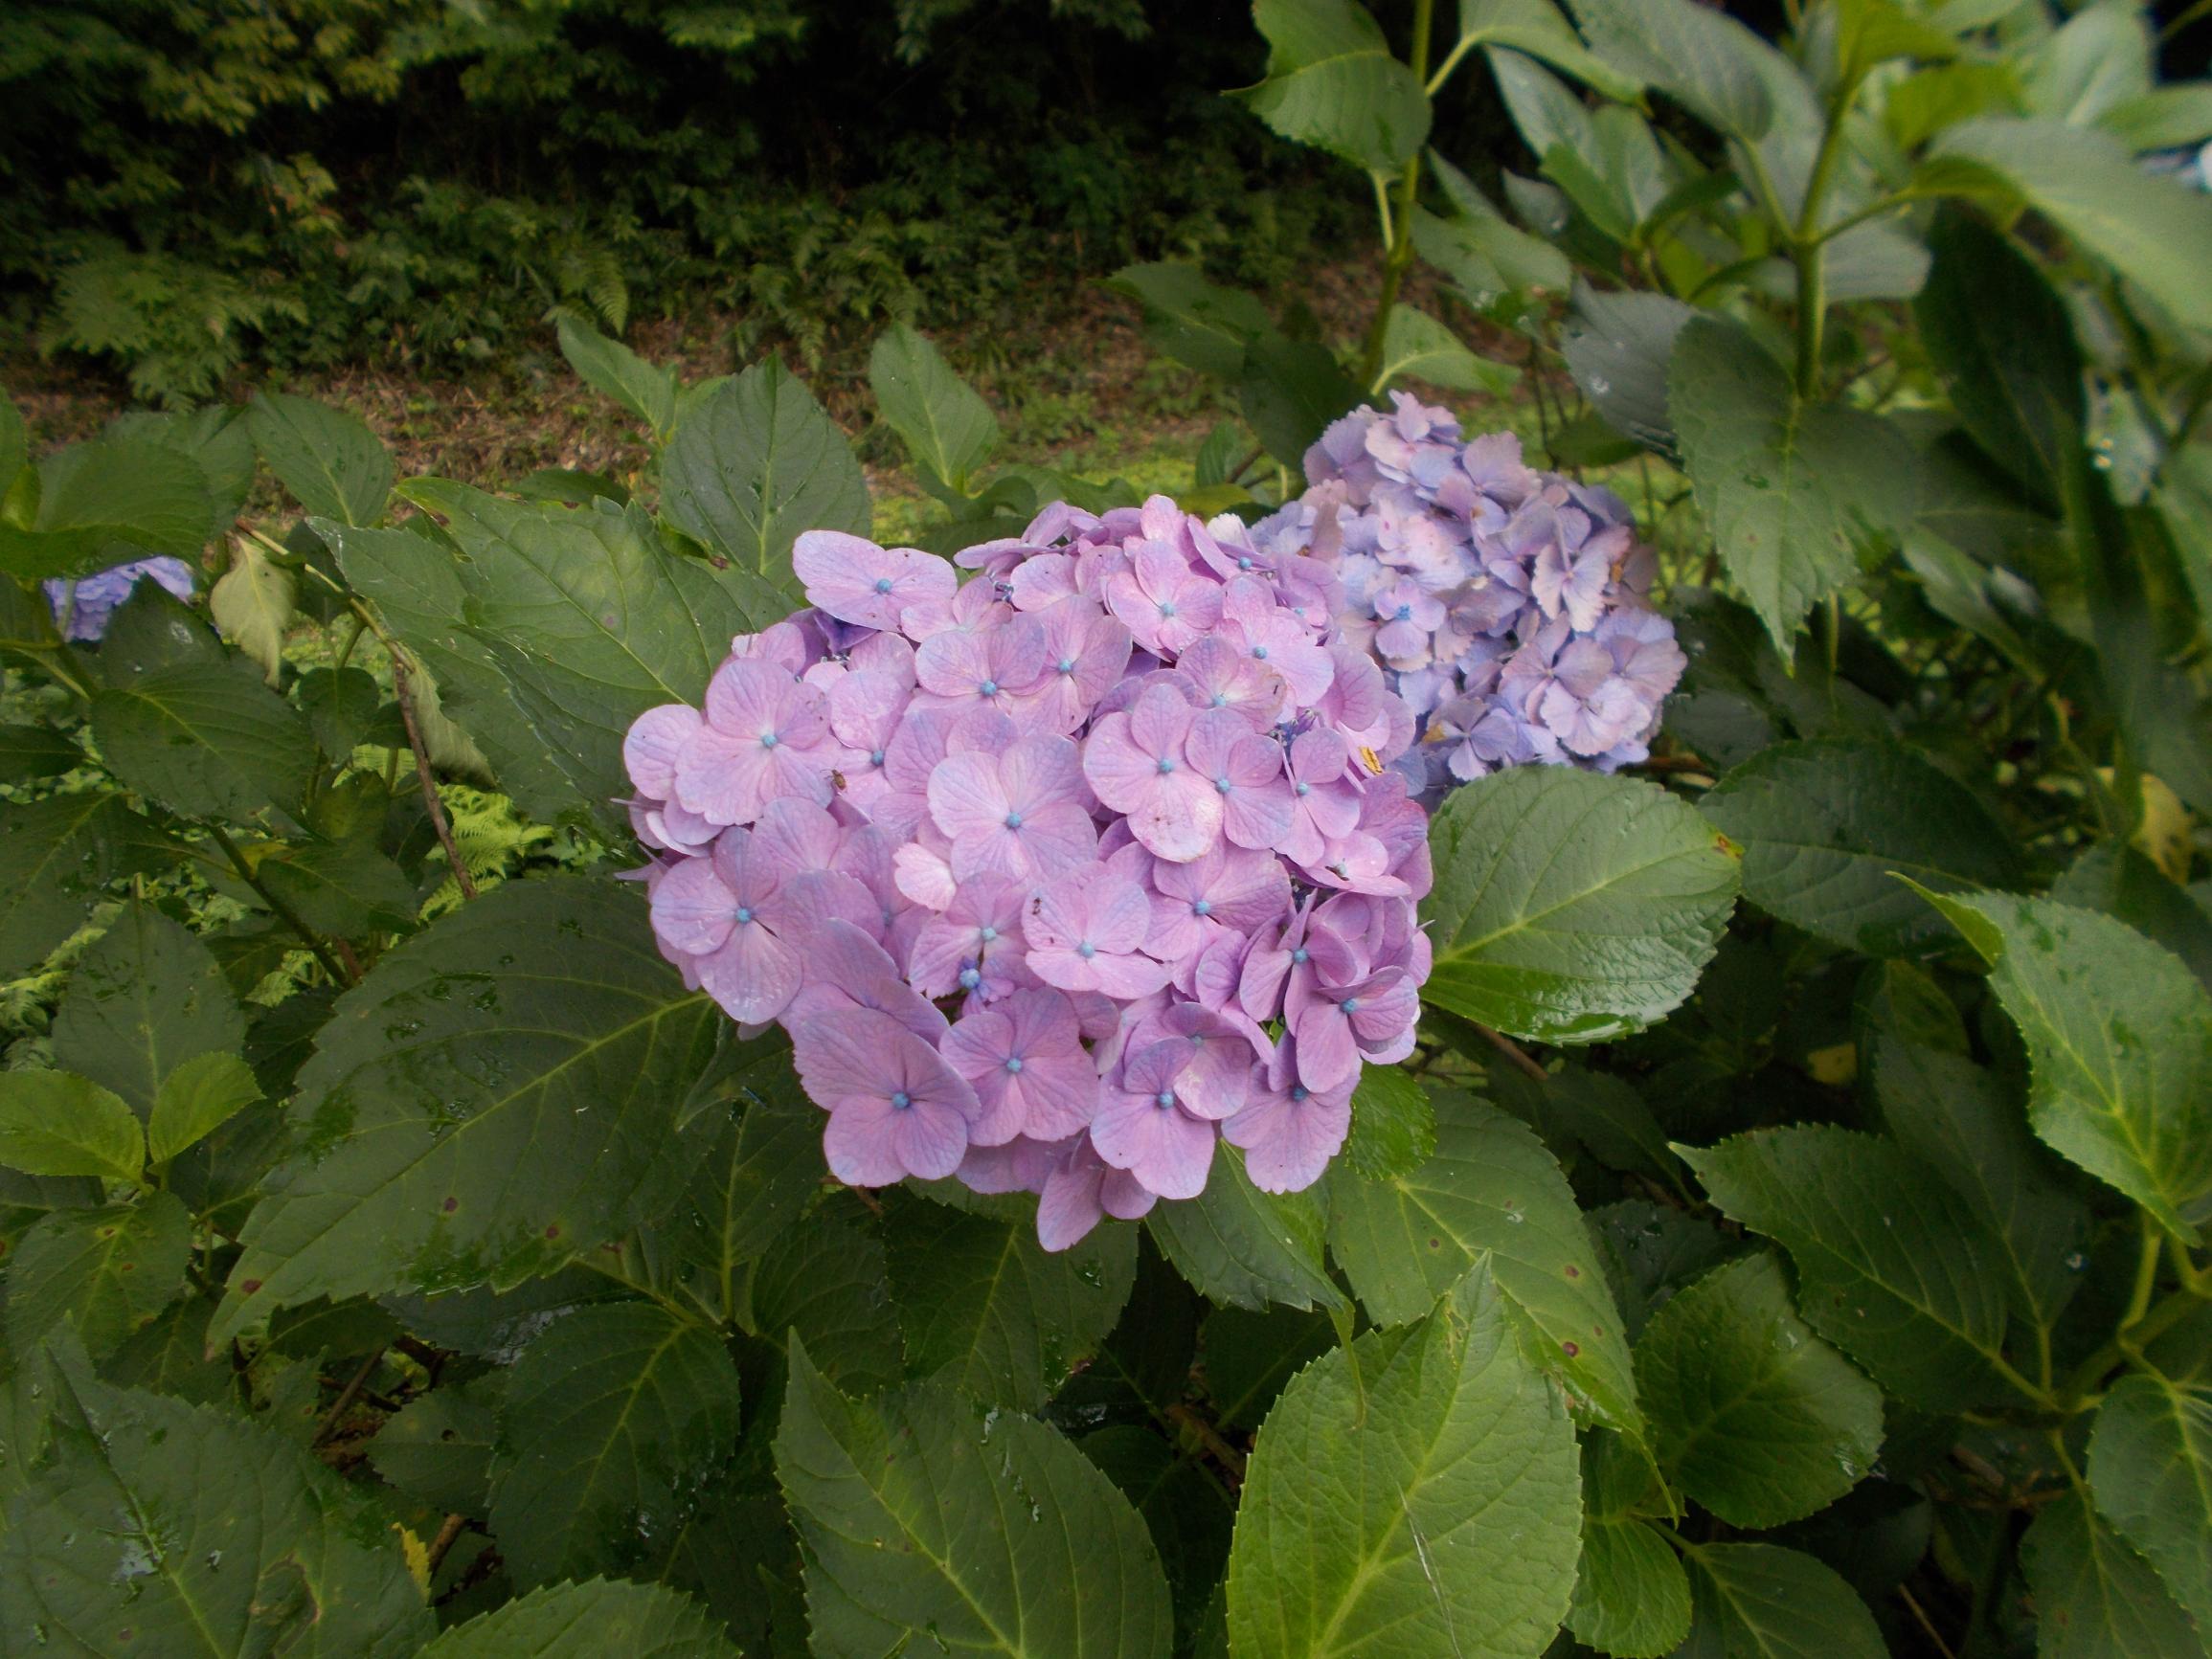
1057	877
1508	605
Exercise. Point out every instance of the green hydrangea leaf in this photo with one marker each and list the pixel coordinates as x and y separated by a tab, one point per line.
1414	1493
561	1045
1332	82
924	1519
1570	907
987	1308
1762	1602
1237	1244
753	465
152	1526
1826	827
106	1272
1491	1190
327	458
2095	1598
1753	1416
1891	1266
589	1620
2151	1471
2120	1041
612	1423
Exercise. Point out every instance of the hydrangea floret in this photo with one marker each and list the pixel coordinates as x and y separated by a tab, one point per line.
1057	877
83	607
1507	606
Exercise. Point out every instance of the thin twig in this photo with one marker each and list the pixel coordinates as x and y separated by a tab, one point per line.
1513	1051
403	693
346	1398
443	1542
285	913
1921	1618
1227	1455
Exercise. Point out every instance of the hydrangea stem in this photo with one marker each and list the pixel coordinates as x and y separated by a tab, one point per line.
285	913
1401	220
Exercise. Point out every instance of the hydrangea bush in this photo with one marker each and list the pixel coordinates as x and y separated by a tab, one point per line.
1733	1189
1120	803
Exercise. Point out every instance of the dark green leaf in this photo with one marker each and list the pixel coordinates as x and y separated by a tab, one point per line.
1491	1189
591	620
589	1620
2162	713
56	857
198	1097
106	1272
923	1519
646	390
1651	1251
2095	1598
1826	828
341	707
437	1447
497	1095
1332	82
1247	1249
613	1421
1618	347
144	999
55	1123
2119	1038
2151	1470
1414	1493
1290	390
1199	323
330	461
2000	337
946	428
987	1308
118	497
764	1166
1891	1267
170	1356
1184	1508
1792	492
1250	1357
753	466
2116	878
415	584
1480	250
1393	1125
27	752
155	1527
207	740
1967	1124
1570	907
824	1280
346	889
1761	1602
1632	1598
1753	1416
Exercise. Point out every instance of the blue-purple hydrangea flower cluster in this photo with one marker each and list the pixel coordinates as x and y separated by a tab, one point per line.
1058	877
83	607
1507	605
